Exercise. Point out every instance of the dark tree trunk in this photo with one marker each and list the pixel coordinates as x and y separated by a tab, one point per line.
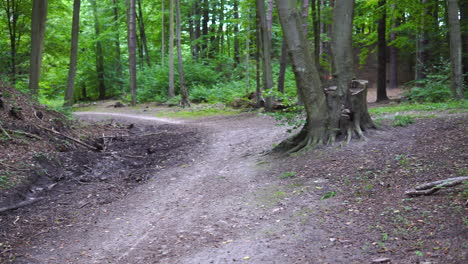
236	32
99	53
315	6
464	30
266	54
132	48
12	10
382	54
184	100
455	50
73	53
118	59
283	64
206	18
171	92
423	44
393	57
196	46
269	18
144	41
163	26
305	15
258	87
38	26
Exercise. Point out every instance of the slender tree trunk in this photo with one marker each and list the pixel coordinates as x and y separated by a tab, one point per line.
393	57
464	30
132	48
99	53
73	53
269	18
163	52
455	50
283	64
206	18
220	33
247	57
315	5
12	11
144	41
118	59
305	14
258	87
184	100
266	54
171	92
38	26
382	55
196	48
236	32
423	44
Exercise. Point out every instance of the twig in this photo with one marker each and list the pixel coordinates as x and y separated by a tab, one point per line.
70	138
25	134
11	167
20	204
432	187
4	132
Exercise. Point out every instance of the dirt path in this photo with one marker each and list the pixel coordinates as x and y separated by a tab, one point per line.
223	207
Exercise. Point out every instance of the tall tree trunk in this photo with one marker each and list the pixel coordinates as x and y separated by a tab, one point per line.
196	46
382	54
266	54
206	18
118	59
393	58
163	52
38	26
132	48
464	30
144	41
269	18
220	33
258	85
171	92
423	44
236	32
247	56
99	53
73	53
455	50
12	11
315	6
305	14
283	64
184	100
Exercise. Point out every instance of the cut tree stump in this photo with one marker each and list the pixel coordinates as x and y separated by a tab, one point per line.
432	187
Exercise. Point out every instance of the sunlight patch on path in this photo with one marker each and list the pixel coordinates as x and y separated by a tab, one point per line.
140	117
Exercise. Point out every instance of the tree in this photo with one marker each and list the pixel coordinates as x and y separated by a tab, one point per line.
382	54
184	101
455	50
118	59
13	11
73	53
38	26
144	41
265	53
99	52
132	48
171	92
348	98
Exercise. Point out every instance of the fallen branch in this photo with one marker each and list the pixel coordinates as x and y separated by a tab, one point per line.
70	138
432	187
13	168
25	134
20	204
4	132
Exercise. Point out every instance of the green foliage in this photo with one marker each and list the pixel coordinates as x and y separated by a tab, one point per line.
328	195
435	88
405	107
289	174
56	104
403	120
292	116
198	113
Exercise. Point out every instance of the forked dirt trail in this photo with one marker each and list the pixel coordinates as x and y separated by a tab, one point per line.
223	207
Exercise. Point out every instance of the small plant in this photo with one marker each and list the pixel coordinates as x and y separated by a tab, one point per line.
328	195
402	159
402	120
289	174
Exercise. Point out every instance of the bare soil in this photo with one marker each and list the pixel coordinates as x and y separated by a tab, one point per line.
209	191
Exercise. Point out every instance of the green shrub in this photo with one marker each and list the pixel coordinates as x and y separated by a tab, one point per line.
403	120
435	88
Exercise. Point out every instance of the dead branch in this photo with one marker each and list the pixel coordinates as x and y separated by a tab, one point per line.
432	187
13	168
20	204
4	132
70	138
25	134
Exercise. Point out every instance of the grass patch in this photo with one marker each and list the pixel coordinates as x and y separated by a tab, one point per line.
199	113
289	174
406	107
403	121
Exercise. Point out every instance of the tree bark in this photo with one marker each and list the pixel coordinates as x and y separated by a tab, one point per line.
118	59
315	6
455	50
305	15
171	92
382	54
269	18
38	26
393	58
206	18
13	12
184	100
73	53
99	53
464	30
266	54
144	41
236	32
132	48
163	51
196	46
283	64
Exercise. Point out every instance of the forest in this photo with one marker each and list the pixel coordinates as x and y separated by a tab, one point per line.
233	131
